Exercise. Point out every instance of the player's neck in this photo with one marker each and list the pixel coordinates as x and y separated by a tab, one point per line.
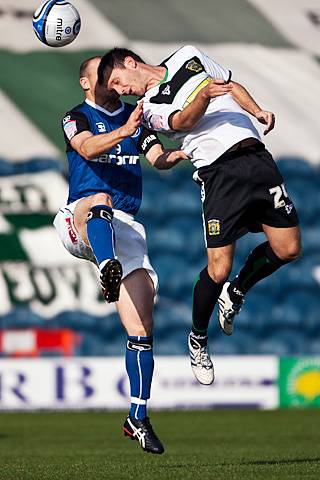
154	75
109	104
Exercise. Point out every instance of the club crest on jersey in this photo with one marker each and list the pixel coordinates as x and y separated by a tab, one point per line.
194	66
214	226
101	127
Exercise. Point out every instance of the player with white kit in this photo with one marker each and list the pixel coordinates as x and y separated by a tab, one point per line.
104	138
191	97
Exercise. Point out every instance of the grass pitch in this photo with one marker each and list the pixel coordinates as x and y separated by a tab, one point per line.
199	445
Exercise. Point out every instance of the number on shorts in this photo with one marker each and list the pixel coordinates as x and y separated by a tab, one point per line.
278	192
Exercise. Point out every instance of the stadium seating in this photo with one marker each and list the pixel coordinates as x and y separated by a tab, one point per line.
280	315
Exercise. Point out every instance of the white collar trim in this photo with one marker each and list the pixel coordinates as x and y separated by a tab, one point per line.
97	107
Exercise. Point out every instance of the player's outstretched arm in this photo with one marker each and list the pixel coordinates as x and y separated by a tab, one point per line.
243	97
90	146
187	119
164	159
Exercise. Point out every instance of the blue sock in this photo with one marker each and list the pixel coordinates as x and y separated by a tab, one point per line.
100	233
139	365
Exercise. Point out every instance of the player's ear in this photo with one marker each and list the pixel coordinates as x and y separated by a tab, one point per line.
130	62
84	83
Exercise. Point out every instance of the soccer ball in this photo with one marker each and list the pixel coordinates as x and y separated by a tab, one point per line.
56	23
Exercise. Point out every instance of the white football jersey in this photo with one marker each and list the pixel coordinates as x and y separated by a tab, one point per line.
223	125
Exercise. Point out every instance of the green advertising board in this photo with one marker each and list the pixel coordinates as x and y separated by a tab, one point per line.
299	382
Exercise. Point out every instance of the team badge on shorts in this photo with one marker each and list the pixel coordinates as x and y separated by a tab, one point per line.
214	227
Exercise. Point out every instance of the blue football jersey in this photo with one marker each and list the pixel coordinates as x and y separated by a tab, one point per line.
116	172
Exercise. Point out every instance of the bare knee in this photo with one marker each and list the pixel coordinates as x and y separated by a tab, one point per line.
82	209
135	304
144	329
101	199
220	262
219	272
285	242
289	252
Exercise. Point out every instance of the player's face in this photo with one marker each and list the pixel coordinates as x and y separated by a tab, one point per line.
126	81
100	92
95	92
92	76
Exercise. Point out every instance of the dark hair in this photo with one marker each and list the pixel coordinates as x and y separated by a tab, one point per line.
114	59
84	65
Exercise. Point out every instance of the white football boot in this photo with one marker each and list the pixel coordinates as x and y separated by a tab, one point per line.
227	310
201	363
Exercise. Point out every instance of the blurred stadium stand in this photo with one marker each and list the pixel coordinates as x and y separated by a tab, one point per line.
280	315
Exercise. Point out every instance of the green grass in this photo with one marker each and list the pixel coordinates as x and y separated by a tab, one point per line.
199	445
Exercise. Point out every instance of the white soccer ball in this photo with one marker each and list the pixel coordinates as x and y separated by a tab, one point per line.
56	23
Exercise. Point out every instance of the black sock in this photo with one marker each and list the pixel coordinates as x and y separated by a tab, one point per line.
205	295
261	263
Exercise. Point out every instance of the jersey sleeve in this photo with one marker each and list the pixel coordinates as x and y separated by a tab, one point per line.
73	123
147	140
157	116
213	68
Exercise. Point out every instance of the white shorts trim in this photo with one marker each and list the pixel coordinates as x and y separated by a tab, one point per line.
130	240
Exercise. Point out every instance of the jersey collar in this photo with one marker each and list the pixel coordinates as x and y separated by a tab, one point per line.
166	75
97	107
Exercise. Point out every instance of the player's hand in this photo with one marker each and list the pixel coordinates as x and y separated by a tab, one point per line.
176	155
216	88
134	121
266	118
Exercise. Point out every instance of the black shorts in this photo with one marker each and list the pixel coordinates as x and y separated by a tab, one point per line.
240	191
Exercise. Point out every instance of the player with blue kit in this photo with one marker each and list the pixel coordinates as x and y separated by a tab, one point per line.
104	138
